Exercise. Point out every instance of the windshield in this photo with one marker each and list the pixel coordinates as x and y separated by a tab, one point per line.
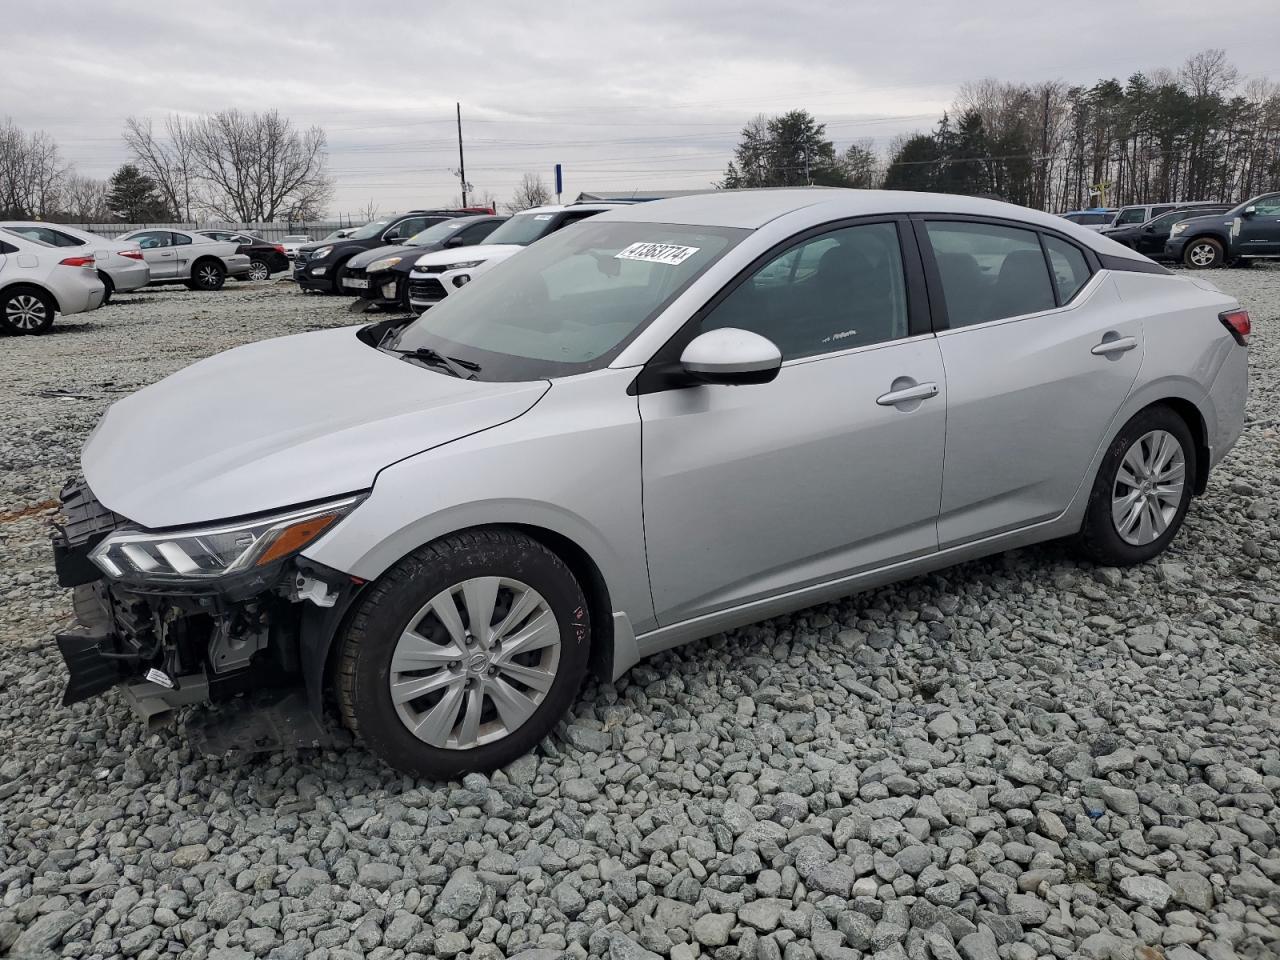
369	230
522	229
436	233
569	303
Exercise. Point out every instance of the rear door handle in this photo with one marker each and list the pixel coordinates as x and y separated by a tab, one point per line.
921	391
1109	347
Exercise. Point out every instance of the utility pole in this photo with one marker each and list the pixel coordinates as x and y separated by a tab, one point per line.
462	165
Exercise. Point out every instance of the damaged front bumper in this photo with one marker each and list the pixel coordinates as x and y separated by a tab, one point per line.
259	638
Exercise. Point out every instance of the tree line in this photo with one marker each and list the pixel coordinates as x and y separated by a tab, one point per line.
230	165
1201	132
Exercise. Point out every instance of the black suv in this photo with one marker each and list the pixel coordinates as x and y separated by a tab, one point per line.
1149	238
1242	234
321	266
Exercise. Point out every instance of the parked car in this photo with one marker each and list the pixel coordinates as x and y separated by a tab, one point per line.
380	276
1247	232
321	266
265	257
180	256
1149	237
436	275
1139	213
1094	218
440	522
38	279
120	264
292	242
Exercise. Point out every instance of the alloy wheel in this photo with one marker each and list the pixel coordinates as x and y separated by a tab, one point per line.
1203	254
208	276
26	312
1148	488
475	662
259	271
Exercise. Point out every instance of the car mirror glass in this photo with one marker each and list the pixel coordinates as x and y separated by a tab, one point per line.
730	355
1250	211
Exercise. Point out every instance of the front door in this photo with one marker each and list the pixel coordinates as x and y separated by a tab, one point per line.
832	468
1260	231
1037	364
158	251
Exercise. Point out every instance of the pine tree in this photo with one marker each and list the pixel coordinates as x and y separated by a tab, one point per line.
134	198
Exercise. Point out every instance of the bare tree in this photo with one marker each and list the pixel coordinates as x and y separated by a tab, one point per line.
531	192
475	198
256	165
169	161
84	200
32	173
369	211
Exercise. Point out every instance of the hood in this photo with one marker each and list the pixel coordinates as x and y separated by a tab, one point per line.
279	423
361	260
481	251
1209	219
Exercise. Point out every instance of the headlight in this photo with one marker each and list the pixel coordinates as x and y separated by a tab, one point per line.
1177	229
464	265
207	553
386	263
321	253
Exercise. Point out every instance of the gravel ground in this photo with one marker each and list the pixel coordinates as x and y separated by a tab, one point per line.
1020	757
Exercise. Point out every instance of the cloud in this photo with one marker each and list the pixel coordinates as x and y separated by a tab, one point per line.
639	95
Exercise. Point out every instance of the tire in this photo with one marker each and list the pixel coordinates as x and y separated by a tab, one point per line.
1203	253
493	570
26	310
258	271
108	288
1123	524
207	275
339	272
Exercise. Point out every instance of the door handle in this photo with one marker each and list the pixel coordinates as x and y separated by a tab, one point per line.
1109	347
921	391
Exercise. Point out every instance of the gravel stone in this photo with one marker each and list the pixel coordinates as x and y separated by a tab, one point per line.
1023	757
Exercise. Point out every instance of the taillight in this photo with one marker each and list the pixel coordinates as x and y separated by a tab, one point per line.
131	254
1237	321
279	249
76	262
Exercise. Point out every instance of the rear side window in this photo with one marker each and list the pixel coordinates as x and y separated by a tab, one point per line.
989	272
180	239
1070	269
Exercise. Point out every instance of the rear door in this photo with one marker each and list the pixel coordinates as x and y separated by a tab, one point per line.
1039	355
157	250
1260	231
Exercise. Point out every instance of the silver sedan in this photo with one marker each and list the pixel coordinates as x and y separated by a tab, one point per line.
671	420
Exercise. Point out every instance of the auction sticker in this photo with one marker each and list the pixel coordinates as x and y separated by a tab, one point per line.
668	253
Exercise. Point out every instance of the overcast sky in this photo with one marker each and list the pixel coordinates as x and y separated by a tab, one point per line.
624	95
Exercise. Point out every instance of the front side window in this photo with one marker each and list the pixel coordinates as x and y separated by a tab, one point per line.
989	272
1132	215
479	231
837	291
570	302
1268	206
153	239
1070	268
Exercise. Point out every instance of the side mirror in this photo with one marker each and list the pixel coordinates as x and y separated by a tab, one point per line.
731	356
1250	211
391	238
454	241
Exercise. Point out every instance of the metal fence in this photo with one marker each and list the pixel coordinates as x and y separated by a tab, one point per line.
275	231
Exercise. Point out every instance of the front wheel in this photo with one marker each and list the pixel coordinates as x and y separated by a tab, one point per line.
1143	490
1203	253
464	655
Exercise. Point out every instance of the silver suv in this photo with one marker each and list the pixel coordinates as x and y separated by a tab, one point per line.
669	421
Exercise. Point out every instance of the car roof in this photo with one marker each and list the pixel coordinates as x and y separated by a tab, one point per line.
557	207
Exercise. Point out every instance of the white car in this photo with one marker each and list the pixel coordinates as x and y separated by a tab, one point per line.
38	280
292	242
120	264
436	275
179	256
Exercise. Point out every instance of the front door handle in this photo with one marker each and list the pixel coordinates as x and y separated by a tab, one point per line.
1109	348
921	391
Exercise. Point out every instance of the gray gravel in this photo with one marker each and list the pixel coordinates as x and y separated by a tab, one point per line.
1021	757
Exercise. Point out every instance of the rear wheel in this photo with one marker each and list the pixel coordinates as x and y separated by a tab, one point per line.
26	310
258	270
108	288
1143	490
1203	253
208	275
464	655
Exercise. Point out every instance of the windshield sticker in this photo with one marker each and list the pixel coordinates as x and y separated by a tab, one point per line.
542	216
668	253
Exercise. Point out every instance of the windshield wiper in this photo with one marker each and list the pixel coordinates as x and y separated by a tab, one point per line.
436	358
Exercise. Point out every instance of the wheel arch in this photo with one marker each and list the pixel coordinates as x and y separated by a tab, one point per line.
206	257
1222	243
25	284
1195	422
